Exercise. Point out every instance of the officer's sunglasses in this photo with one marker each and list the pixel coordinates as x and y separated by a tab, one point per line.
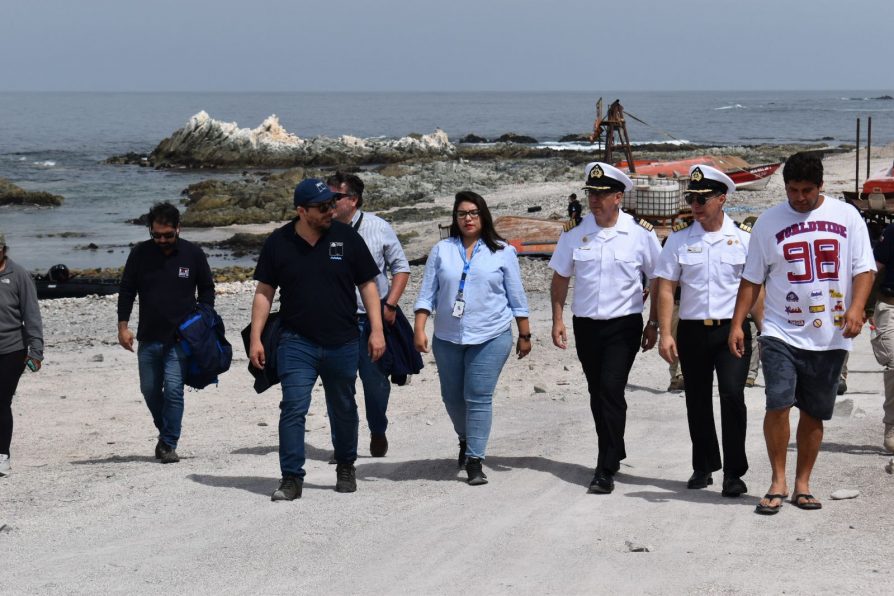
701	199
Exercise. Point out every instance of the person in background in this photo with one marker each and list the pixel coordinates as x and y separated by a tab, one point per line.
575	209
608	255
389	256
472	284
883	320
21	341
169	274
813	255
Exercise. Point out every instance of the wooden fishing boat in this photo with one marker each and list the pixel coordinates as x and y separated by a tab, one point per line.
745	175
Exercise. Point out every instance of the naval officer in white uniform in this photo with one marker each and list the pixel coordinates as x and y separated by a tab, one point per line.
706	257
609	254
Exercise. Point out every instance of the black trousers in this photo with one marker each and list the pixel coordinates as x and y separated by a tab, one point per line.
703	350
606	350
12	366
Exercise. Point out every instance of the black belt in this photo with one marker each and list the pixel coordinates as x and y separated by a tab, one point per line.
709	322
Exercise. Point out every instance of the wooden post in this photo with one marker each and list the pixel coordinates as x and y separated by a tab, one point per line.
857	162
868	143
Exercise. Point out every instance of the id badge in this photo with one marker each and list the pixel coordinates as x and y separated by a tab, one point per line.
459	307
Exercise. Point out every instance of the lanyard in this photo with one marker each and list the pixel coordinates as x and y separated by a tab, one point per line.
356	226
466	265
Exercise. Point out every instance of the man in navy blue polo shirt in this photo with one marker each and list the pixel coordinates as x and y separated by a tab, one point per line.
167	273
316	263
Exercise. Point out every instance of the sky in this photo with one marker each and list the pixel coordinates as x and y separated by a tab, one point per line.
457	45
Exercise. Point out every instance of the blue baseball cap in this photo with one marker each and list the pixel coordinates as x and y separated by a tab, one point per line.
311	191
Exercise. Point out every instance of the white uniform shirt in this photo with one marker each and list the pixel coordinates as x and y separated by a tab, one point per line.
808	261
708	266
607	265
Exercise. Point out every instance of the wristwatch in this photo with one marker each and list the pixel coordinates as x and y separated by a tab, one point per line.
652	324
392	307
526	336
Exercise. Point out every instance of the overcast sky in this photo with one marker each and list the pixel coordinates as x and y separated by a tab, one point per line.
452	45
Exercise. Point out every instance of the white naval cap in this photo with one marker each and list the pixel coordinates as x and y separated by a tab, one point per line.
706	179
604	177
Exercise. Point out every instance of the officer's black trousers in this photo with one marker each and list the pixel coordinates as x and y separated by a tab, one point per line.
606	350
702	350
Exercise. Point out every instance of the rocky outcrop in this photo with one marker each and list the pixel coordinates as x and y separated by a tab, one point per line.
207	143
473	138
259	199
511	137
10	194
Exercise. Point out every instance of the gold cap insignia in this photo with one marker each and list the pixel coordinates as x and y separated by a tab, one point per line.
596	172
697	175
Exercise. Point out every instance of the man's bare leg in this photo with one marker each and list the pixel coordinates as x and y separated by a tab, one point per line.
809	437
776	434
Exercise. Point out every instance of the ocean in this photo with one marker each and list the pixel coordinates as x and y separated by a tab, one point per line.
57	142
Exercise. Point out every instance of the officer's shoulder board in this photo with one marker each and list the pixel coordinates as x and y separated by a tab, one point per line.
569	225
681	225
644	224
743	227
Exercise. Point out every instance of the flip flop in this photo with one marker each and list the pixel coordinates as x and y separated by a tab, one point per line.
770	509
806	504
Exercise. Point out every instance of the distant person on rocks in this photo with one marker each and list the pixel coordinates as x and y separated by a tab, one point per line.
574	209
317	264
389	257
169	275
704	258
472	284
607	254
883	318
21	340
813	254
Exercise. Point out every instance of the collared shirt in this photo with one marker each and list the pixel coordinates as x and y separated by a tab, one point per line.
608	265
385	248
168	287
493	292
808	262
708	266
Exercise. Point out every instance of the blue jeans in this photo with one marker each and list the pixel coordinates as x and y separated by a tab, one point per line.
468	375
376	386
300	362
162	368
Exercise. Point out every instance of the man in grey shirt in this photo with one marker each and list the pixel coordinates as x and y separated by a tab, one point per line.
21	340
389	256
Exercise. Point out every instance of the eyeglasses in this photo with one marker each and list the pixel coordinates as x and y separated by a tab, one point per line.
165	235
474	213
323	207
692	197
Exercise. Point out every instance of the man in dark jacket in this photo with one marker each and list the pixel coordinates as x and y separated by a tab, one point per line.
167	273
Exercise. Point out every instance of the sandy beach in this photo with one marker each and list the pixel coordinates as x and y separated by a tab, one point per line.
88	509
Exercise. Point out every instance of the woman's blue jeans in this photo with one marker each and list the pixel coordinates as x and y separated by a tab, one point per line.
469	375
162	369
300	361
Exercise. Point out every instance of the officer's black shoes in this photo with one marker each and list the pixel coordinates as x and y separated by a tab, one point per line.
461	460
842	387
378	445
289	489
166	453
733	486
603	483
345	479
476	474
699	480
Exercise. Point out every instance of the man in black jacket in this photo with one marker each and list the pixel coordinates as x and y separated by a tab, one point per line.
166	272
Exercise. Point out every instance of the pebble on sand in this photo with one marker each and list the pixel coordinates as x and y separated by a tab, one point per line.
845	493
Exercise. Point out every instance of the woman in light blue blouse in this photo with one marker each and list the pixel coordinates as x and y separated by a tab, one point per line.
473	285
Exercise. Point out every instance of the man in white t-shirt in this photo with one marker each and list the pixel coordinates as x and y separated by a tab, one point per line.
814	256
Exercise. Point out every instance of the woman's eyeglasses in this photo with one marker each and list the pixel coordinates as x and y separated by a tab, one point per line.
165	235
474	213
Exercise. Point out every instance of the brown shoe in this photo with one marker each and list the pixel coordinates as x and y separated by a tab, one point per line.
749	382
378	445
676	384
889	437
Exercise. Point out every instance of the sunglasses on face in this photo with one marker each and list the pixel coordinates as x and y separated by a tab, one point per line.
165	235
474	213
692	197
324	207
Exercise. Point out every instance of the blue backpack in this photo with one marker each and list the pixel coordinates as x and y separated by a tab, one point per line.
207	350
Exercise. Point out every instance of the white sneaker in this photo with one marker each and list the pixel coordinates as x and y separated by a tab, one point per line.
889	442
4	465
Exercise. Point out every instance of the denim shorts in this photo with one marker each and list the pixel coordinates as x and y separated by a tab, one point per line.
806	379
